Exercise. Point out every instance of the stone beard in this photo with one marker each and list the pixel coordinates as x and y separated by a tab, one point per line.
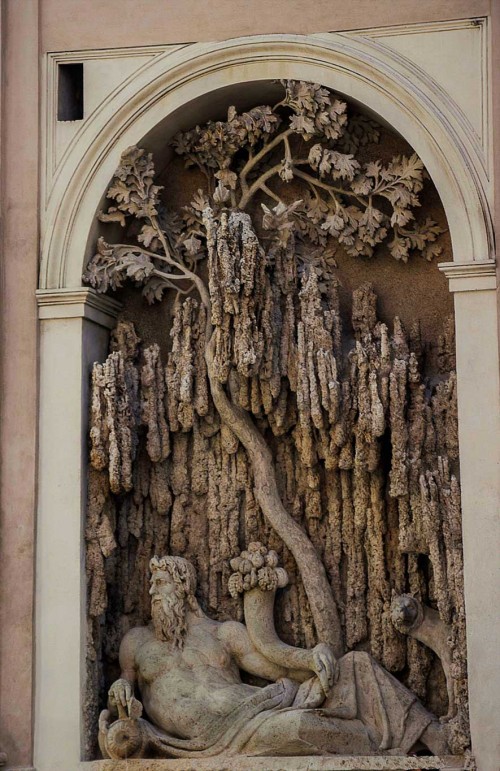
173	584
168	614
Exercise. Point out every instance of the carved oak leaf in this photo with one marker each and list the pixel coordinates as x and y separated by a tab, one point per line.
401	215
409	171
339	165
130	160
302	124
321	260
101	272
199	201
399	248
431	251
222	194
135	264
316	209
257	121
227	178
344	166
132	186
299	95
192	245
149	237
362	185
154	289
309	231
171	221
119	190
333	224
369	226
315	156
286	170
373	169
422	234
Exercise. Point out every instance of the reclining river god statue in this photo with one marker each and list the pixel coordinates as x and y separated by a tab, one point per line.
193	703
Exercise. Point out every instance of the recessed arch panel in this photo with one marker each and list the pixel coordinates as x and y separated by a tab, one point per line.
360	69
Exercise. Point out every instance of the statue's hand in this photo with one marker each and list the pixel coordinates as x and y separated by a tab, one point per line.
325	666
120	697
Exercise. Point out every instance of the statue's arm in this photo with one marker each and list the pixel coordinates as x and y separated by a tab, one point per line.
236	639
121	693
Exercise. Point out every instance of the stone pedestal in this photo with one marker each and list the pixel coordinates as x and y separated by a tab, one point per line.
310	763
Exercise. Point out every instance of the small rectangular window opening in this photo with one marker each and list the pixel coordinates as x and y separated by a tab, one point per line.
70	92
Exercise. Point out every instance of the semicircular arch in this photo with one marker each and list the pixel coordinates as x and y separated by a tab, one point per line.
360	69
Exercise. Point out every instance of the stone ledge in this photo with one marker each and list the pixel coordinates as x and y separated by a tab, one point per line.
80	302
309	763
475	275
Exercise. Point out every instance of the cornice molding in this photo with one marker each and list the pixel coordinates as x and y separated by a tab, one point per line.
417	27
470	276
77	303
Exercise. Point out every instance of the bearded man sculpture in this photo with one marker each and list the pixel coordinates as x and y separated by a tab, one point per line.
187	670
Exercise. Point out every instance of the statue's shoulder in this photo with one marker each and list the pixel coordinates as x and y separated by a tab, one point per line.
232	632
134	639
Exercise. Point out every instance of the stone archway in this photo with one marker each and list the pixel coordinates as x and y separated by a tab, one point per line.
74	324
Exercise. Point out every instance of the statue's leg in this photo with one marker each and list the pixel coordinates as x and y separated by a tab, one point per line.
392	714
309	732
434	737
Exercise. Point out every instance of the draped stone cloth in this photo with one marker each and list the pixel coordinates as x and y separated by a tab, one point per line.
367	712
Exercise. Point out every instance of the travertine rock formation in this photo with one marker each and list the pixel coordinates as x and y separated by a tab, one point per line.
199	501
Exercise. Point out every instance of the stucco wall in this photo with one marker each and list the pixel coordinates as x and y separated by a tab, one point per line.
74	24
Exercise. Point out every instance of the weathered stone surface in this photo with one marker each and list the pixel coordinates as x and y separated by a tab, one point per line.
187	669
310	763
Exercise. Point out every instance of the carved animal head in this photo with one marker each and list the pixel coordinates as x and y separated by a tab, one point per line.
406	613
125	339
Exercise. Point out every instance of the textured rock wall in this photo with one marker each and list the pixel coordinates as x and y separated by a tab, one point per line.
365	448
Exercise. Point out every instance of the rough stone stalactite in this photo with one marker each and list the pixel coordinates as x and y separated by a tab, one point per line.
183	483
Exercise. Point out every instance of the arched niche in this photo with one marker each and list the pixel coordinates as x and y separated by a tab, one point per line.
172	91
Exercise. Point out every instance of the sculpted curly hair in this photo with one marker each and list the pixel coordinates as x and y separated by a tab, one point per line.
183	575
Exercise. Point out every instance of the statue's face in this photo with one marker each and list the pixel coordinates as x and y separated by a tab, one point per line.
168	608
162	587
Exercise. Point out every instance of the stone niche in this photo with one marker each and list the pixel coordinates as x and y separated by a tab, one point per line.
279	427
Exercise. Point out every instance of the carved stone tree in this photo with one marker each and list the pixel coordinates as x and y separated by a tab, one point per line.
258	359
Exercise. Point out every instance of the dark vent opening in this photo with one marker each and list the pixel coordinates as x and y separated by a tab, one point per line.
70	92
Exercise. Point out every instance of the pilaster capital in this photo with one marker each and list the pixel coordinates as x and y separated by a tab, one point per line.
80	302
470	276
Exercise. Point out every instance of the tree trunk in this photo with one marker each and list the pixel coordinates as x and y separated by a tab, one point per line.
312	571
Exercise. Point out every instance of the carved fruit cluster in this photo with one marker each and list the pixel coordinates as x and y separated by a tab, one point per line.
256	566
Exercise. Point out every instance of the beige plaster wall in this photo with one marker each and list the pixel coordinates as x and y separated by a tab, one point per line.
18	372
76	24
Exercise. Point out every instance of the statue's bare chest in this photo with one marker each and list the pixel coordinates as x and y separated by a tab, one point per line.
202	652
156	658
